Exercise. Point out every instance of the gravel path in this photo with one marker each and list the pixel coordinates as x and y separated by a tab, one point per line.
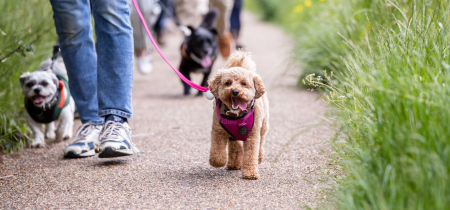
173	133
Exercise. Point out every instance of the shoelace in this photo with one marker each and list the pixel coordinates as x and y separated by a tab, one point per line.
82	131
112	128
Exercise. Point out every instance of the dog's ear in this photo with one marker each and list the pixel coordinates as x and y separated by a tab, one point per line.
55	80
259	86
214	84
214	31
191	28
23	77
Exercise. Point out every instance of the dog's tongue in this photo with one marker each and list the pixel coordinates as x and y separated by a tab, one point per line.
38	100
237	102
206	62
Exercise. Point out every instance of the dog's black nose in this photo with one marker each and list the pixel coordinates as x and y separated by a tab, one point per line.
235	92
37	90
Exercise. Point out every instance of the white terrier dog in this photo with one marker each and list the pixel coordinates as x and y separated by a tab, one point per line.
47	98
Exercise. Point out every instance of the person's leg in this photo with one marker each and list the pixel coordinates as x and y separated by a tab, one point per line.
115	57
115	75
159	25
142	45
224	7
73	26
235	22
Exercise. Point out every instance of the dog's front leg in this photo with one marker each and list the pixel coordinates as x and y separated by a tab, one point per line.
204	82
50	131
37	138
218	154
185	70
251	153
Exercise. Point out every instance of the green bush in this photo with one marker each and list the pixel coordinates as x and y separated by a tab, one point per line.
386	79
27	35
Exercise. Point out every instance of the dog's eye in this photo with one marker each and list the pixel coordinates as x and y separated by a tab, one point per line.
243	83
44	83
30	84
228	83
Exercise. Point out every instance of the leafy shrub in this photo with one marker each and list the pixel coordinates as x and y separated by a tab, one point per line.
386	79
26	38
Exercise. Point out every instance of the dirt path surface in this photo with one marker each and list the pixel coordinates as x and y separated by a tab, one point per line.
173	133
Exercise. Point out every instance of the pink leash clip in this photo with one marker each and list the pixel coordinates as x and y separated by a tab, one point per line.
198	87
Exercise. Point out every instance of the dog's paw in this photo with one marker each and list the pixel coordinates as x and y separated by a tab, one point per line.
37	144
250	177
260	156
260	159
250	174
234	165
217	162
50	135
67	136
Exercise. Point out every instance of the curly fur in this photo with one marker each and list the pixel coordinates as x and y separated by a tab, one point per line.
240	73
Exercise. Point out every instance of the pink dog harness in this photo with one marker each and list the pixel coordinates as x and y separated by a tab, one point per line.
238	127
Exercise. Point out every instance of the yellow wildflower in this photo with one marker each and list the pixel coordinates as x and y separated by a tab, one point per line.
298	8
307	3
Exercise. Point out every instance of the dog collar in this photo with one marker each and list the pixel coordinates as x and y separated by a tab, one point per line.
50	111
238	127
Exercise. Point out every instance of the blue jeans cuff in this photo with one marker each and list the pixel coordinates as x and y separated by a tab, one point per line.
95	122
119	113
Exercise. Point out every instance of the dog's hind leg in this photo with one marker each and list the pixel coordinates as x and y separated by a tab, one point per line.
235	154
38	137
69	128
264	131
50	130
65	122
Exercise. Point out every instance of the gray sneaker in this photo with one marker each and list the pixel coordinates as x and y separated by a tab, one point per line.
85	142
115	140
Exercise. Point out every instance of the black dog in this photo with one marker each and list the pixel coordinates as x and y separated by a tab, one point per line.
199	50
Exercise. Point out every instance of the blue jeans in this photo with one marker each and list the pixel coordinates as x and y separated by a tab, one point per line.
235	18
101	74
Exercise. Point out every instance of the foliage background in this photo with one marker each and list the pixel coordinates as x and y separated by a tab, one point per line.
27	36
383	66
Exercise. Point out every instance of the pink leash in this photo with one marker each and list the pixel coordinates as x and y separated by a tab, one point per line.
198	87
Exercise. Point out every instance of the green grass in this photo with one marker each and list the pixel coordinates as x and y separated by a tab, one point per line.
388	92
27	35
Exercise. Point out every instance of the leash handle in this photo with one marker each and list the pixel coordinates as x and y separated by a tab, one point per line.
195	86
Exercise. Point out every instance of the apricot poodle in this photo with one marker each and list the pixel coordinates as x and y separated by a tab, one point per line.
240	118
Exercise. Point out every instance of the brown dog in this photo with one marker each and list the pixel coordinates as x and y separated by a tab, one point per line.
241	92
